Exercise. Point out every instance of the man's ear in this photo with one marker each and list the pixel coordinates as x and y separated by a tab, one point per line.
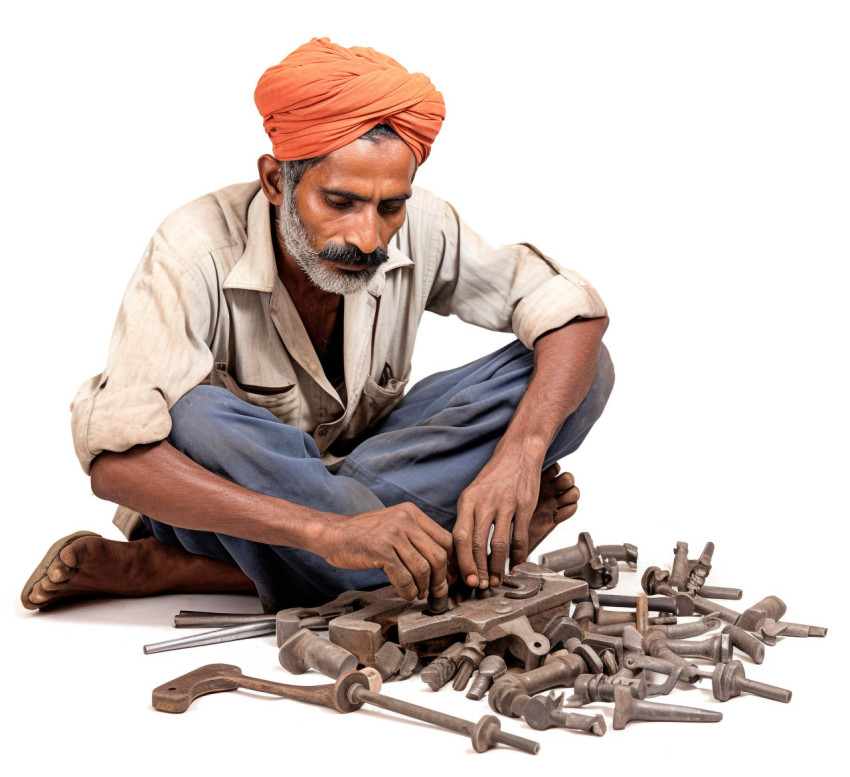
271	179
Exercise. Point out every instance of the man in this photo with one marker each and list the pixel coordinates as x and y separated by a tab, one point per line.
250	417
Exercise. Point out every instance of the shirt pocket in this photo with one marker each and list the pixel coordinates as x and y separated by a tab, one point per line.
377	402
283	402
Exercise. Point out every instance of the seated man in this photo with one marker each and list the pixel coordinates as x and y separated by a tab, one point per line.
251	418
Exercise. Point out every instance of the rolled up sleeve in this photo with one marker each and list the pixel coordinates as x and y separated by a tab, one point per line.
508	288
158	352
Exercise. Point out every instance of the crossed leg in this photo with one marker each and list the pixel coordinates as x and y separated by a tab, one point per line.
88	565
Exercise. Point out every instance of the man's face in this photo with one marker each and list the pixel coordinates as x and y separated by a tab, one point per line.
347	208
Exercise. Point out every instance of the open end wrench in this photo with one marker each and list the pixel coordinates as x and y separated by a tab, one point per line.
350	692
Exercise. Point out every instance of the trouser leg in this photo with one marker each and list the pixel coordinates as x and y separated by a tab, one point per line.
249	446
446	429
426	452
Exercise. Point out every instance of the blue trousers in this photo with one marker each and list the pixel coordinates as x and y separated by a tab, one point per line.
427	451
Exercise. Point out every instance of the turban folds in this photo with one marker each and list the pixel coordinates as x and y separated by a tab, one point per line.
324	96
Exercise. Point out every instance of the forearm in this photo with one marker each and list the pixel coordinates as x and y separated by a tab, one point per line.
564	366
164	484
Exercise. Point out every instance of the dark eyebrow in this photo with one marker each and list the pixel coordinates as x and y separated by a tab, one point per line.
358	198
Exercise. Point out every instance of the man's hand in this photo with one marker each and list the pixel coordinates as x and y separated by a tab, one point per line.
506	491
504	495
412	549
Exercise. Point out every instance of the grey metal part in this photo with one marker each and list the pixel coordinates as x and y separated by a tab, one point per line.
627	708
544	712
361	632
720	592
226	634
603	642
305	650
294	618
679	571
193	619
754	617
625	552
492	618
772	629
490	669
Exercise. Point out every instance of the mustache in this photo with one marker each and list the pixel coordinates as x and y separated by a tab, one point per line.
350	254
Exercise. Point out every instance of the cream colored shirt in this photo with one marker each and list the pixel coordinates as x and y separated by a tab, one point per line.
205	305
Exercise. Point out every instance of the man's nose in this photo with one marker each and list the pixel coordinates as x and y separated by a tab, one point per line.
363	231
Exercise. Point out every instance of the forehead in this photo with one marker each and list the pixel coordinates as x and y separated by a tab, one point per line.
370	169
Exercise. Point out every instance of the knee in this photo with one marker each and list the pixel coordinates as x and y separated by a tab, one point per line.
207	416
602	386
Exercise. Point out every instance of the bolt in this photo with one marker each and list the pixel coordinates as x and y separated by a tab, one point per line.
656	603
772	629
717	648
597	687
443	667
469	659
305	650
617	629
572	558
655	581
719	592
625	552
490	670
654	645
484	734
698	570
685	630
560	629
628	708
544	712
679	573
729	680
770	607
508	697
746	643
707	607
560	672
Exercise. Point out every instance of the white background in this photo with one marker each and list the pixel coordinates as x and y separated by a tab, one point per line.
691	159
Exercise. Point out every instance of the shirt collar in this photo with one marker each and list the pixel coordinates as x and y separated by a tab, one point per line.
257	270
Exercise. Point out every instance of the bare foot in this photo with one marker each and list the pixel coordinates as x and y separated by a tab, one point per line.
86	565
558	501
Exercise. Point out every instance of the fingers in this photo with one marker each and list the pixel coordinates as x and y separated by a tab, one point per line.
564	513
430	576
462	535
500	543
521	541
563	482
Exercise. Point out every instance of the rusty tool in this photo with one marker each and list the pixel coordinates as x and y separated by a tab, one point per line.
628	708
542	712
349	693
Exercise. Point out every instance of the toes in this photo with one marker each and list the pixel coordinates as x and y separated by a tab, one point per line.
38	595
568	497
564	481
566	512
71	555
58	572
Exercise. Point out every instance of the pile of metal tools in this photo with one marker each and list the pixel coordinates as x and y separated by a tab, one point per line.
548	626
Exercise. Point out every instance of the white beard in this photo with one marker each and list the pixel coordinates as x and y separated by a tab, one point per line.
321	272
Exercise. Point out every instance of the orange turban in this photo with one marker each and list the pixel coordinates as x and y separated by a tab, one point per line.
324	96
